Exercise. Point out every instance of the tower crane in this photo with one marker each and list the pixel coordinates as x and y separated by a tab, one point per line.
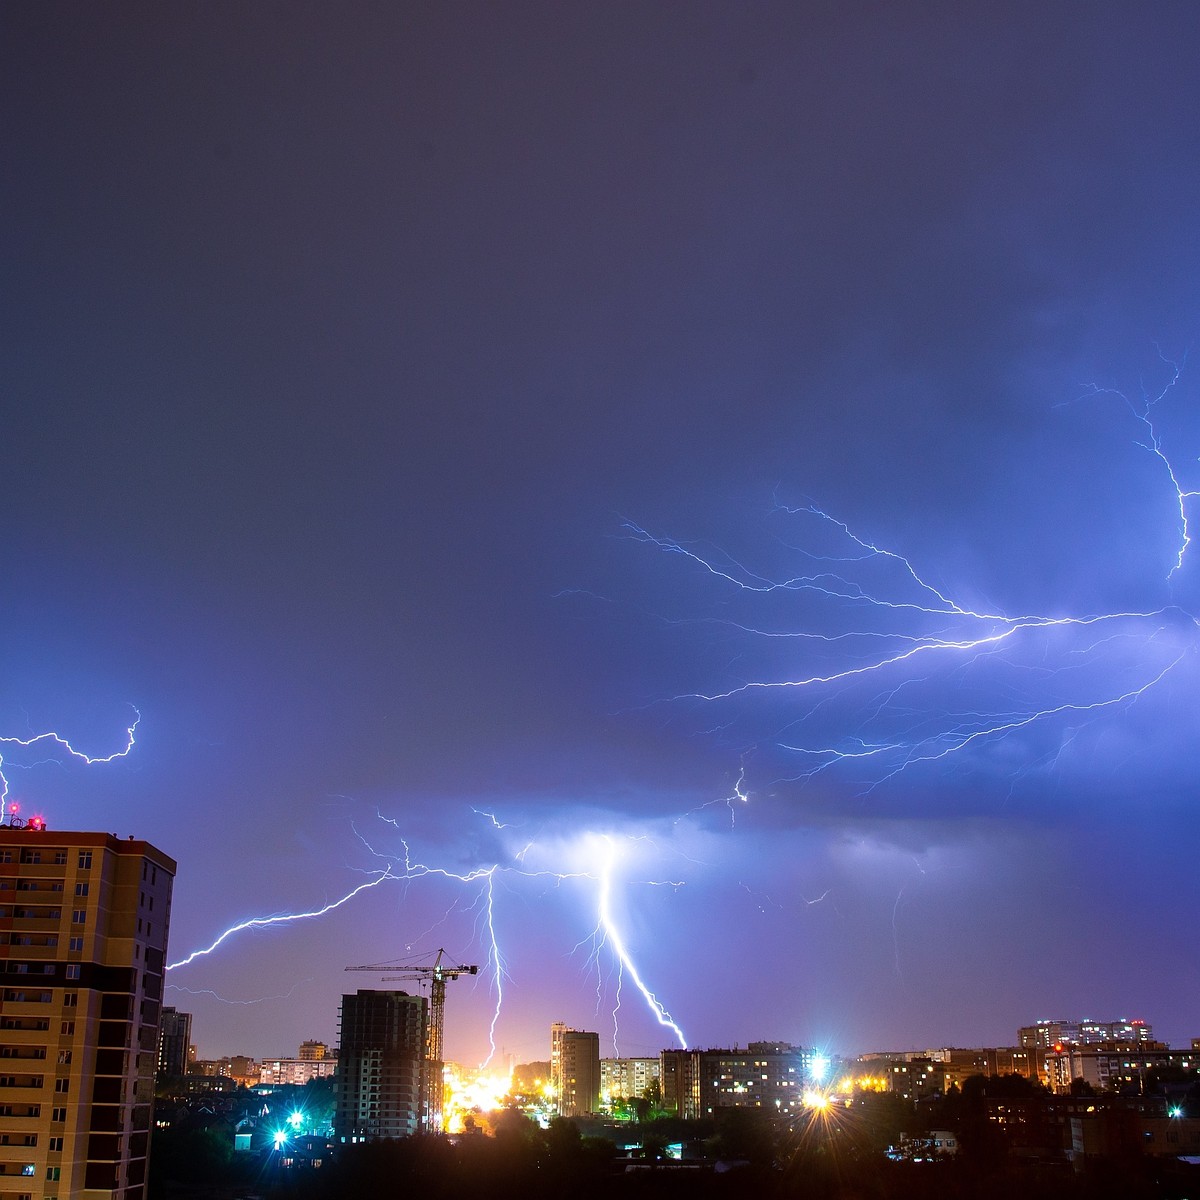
433	1072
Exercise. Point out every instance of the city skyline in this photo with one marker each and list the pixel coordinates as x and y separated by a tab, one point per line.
688	510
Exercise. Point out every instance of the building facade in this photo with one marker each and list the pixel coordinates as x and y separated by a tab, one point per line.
174	1042
767	1075
84	919
381	1062
627	1078
1050	1034
297	1071
574	1070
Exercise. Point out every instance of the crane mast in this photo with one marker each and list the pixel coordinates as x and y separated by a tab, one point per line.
433	1066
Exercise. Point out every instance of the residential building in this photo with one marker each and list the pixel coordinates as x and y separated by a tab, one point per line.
174	1041
767	1075
1083	1033
574	1070
627	1078
83	938
381	1062
297	1071
1115	1066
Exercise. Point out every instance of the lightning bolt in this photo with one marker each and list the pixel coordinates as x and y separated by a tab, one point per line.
59	747
888	626
405	869
288	918
614	939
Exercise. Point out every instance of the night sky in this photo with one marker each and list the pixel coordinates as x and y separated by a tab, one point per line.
709	476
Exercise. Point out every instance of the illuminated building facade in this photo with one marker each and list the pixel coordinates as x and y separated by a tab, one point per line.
627	1078
766	1075
574	1070
297	1071
1083	1033
174	1041
83	939
381	1057
1114	1066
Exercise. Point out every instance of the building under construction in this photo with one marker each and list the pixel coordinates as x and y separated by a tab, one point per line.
381	1065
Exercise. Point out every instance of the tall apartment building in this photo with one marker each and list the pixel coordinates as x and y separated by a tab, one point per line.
174	1042
381	1061
574	1070
83	939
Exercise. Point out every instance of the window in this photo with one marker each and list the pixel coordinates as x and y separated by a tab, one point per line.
28	1169
64	1056
62	1085
53	1172
6	856
72	970
56	1143
81	889
78	916
58	1114
85	860
31	856
71	1000
68	1027
60	858
76	943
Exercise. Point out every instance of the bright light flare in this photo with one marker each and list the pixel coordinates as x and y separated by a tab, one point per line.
473	1092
